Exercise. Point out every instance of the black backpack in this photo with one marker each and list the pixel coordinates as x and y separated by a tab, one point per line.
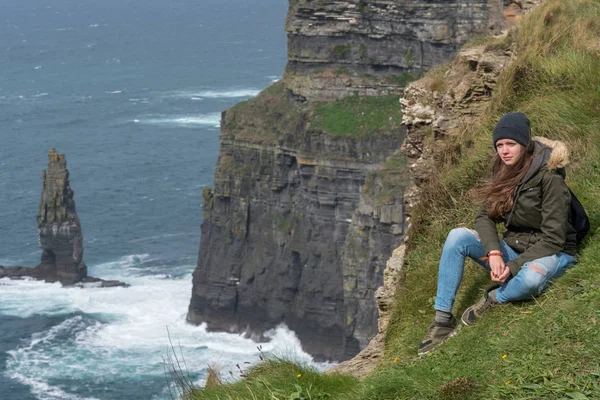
579	218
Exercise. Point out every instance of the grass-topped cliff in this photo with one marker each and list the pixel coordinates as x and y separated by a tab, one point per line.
545	349
275	116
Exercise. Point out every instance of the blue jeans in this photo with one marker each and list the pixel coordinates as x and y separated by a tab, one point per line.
529	282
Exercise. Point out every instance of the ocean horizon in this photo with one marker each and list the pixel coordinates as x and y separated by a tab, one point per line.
132	92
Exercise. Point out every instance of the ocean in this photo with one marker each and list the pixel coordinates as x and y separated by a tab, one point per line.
131	91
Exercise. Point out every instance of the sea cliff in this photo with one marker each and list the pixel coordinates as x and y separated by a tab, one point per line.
308	201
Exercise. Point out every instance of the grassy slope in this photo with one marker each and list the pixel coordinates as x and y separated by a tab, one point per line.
546	349
358	116
273	115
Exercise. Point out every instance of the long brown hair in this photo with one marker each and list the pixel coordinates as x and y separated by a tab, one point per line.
498	192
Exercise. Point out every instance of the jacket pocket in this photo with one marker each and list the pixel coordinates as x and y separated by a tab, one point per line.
518	241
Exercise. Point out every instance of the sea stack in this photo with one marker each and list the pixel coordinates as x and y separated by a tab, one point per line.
59	229
59	234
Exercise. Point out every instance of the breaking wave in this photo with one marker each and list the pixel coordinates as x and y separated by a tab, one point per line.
122	332
215	94
212	119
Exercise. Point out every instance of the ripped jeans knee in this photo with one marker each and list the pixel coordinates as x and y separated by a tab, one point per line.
534	277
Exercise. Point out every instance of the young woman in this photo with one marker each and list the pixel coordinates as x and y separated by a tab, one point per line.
528	194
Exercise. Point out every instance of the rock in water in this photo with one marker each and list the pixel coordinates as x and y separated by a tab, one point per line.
59	229
59	233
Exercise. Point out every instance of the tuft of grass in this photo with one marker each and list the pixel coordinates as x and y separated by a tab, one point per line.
281	379
363	51
409	58
361	6
358	116
403	79
341	51
342	71
214	377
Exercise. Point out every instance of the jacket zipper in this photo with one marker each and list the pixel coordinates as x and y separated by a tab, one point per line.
516	196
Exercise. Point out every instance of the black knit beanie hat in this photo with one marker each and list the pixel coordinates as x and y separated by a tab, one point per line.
515	126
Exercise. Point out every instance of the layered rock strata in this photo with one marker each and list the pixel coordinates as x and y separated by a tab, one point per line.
59	230
436	109
370	47
439	107
301	221
287	236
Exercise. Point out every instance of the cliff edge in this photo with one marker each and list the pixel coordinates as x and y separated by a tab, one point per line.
308	200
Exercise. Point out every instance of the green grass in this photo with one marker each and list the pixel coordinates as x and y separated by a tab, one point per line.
403	79
361	6
280	379
363	51
551	344
265	118
543	349
342	71
341	51
358	116
387	184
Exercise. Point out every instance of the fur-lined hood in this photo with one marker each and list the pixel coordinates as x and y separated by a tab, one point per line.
559	153
552	154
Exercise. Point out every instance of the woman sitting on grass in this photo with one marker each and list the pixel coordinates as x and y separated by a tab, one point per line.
528	194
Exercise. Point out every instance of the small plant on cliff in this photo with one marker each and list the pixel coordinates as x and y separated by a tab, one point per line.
341	51
403	79
363	51
341	71
361	6
409	57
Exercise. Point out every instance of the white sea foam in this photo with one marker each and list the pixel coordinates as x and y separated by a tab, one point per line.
114	92
44	391
214	94
212	119
122	331
229	93
148	238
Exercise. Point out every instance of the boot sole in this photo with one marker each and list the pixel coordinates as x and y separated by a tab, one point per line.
454	332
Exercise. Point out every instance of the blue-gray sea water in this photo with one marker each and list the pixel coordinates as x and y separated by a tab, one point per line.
131	91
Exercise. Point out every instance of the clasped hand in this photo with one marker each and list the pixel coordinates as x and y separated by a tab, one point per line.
498	271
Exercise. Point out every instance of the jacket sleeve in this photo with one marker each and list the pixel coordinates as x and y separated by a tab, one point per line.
487	231
555	219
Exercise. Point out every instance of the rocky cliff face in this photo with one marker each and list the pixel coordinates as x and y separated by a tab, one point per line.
436	109
285	212
304	215
371	47
59	229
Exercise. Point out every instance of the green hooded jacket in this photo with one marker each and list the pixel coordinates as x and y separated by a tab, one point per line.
539	223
